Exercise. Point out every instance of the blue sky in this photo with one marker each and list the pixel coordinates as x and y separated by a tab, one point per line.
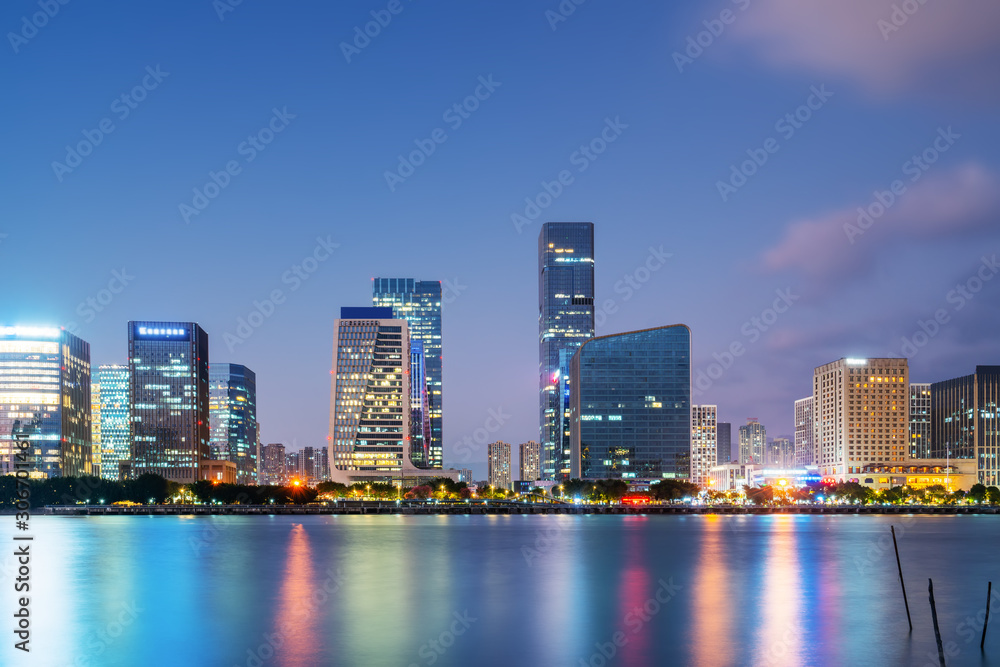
555	85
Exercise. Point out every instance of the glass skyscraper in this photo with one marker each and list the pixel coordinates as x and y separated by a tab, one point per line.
232	409
419	303
109	402
420	417
168	395
920	420
565	322
630	408
965	421
45	400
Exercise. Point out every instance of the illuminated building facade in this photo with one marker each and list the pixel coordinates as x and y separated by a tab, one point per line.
272	464
530	461
419	303
920	420
805	451
168	399
109	405
861	415
724	447
630	407
232	413
45	400
753	442
498	465
964	421
420	416
704	442
780	453
565	322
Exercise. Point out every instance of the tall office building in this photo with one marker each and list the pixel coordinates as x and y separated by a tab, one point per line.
630	407
168	399
294	466
805	451
861	415
498	465
724	432
420	416
530	463
704	442
565	322
45	400
232	412
753	441
109	407
920	420
964	414
780	453
272	464
419	303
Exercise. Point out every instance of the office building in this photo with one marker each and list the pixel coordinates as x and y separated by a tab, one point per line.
232	410
272	457
920	420
805	454
45	401
861	415
498	465
780	453
530	461
704	442
565	322
419	303
420	416
724	448
168	400
465	475
630	408
964	413
110	424
753	440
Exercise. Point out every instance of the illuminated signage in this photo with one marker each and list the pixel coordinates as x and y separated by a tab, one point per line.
614	418
31	332
856	362
164	331
591	418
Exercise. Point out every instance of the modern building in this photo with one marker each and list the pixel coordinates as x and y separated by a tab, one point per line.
45	401
964	414
753	442
780	453
110	421
168	399
465	475
724	433
861	415
272	458
294	466
805	454
565	322
530	461
730	476
420	415
419	303
630	408
232	410
498	465
920	420
953	474
704	442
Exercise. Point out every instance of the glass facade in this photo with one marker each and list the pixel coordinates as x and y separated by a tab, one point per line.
232	410
168	395
420	417
920	420
419	303
724	450
109	392
630	409
565	322
964	421
45	400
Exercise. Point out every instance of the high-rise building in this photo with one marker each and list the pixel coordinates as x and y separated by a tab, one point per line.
232	409
498	465
565	322
780	453
45	401
168	399
861	415
465	475
109	407
530	461
419	303
272	464
630	406
920	420
420	416
704	442
294	466
753	441
724	432
964	421
805	451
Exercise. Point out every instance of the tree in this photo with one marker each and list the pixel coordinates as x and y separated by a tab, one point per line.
673	489
993	495
762	495
977	493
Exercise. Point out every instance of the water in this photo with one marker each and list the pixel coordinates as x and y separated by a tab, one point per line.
504	590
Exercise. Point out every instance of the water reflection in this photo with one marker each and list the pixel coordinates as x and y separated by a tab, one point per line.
781	637
637	588
297	619
712	606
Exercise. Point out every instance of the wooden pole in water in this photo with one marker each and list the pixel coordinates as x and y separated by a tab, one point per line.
937	631
896	546
989	596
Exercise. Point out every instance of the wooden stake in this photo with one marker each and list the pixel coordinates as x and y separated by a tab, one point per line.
937	631
989	596
901	583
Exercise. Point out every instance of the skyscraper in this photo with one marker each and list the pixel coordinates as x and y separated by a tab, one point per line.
530	461
704	442
964	421
753	440
565	322
805	454
630	408
232	409
920	420
110	408
419	303
498	465
168	399
273	464
45	400
420	416
781	453
724	432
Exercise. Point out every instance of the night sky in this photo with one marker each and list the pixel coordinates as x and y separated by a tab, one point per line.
311	190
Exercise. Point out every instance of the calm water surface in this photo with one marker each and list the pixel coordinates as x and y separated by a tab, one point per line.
505	590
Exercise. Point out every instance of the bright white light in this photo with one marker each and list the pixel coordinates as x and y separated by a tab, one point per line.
856	362
31	332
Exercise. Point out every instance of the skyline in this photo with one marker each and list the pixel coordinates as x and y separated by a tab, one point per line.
653	190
